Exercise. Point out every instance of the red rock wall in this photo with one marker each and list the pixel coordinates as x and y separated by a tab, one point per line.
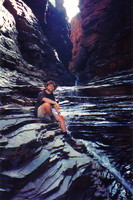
101	37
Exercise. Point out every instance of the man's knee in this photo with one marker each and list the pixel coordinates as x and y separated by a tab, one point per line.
46	105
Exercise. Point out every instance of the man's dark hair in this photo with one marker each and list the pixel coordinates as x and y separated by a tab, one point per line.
51	83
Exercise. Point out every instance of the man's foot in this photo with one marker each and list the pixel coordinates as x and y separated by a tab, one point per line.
66	134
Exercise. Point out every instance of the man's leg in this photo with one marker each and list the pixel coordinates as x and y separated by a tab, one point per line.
40	112
61	120
46	109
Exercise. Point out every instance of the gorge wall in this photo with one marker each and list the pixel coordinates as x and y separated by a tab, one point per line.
101	36
53	20
27	57
24	45
35	39
94	160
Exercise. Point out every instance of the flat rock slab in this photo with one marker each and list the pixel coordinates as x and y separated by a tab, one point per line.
23	135
6	124
28	168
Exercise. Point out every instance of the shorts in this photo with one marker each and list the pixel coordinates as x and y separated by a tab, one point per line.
41	115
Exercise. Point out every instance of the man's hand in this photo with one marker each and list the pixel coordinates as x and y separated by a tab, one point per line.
57	107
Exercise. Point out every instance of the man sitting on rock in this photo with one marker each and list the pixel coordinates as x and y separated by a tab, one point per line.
47	106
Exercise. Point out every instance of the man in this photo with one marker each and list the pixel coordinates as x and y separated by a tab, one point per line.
46	105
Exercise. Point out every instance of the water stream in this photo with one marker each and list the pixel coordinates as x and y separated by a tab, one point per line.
103	122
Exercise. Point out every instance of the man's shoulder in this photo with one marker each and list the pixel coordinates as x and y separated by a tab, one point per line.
42	92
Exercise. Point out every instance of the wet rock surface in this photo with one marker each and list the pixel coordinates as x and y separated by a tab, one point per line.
38	162
103	122
94	162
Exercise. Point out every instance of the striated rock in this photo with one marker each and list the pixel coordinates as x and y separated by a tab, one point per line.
44	168
24	47
38	162
101	37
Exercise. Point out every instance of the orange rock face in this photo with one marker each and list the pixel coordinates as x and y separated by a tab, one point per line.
76	35
101	37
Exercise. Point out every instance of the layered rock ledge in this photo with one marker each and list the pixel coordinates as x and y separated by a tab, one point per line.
38	162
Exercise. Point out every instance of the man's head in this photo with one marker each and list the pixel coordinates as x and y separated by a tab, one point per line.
50	85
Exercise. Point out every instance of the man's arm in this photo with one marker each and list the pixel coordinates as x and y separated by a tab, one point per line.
47	100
